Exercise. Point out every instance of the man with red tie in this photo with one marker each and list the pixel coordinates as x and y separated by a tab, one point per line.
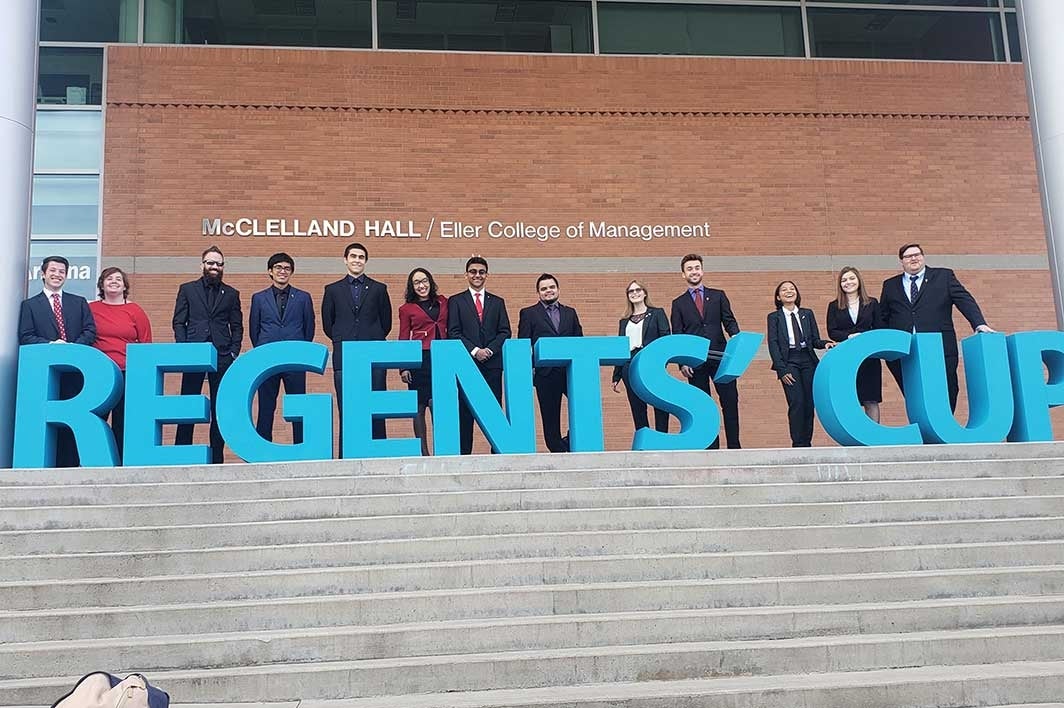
57	317
478	318
705	312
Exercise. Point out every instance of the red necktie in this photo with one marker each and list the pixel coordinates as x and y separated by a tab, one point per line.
699	302
57	310
480	307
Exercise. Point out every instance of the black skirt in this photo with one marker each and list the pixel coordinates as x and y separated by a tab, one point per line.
421	379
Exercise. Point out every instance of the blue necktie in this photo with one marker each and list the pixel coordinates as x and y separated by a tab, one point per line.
912	288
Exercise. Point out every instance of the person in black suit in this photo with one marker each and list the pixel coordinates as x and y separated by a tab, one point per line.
642	324
706	312
793	337
849	314
356	308
56	317
280	313
479	319
208	310
549	318
921	299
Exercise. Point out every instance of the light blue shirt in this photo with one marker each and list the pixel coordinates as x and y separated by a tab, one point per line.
907	282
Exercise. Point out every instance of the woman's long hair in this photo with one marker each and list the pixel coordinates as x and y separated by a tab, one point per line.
842	300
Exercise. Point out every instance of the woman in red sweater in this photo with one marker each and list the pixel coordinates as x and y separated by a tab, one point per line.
118	322
422	318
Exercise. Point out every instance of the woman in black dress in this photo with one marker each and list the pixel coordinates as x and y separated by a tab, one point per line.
642	324
849	314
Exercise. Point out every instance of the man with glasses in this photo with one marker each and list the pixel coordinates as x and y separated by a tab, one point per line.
208	310
921	299
478	318
280	313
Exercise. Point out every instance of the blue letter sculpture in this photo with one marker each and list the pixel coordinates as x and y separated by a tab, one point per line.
1031	354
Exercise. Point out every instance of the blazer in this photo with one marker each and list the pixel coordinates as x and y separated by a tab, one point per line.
463	324
342	322
716	318
415	324
534	323
779	342
194	321
265	324
840	326
933	309
37	325
655	326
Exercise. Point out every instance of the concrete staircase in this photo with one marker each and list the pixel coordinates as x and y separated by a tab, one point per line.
854	578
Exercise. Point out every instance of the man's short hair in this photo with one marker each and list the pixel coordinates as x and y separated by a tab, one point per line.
212	249
355	246
546	276
54	259
476	260
690	257
906	247
280	258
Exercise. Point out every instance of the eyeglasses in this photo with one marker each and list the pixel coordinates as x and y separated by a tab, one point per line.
421	281
911	256
477	271
214	263
283	268
635	290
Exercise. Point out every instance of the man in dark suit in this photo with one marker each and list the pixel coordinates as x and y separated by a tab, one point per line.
706	312
56	317
208	310
549	318
280	313
921	299
478	318
356	308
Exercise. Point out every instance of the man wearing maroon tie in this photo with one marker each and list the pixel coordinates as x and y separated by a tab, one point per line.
57	317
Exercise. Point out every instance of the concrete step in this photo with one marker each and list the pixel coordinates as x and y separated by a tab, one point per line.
571	598
325	644
138	514
306	582
537	668
423	525
250	558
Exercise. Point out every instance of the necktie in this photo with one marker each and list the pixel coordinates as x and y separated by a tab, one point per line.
555	316
799	340
212	296
696	295
480	307
912	288
57	310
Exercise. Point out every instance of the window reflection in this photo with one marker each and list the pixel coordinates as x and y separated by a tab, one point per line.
71	76
65	205
906	34
68	140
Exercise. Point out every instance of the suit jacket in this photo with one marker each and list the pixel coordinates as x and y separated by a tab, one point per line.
779	342
194	321
463	324
655	326
266	325
932	311
716	317
534	323
37	325
342	322
415	324
840	326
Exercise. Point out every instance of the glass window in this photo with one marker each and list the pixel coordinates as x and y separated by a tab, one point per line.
65	205
70	76
940	3
281	23
81	276
68	140
1014	37
89	20
496	26
906	34
645	28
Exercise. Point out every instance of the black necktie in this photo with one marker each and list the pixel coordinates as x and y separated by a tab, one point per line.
212	296
912	288
799	340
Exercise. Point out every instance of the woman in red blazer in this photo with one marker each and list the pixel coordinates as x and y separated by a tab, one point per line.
422	318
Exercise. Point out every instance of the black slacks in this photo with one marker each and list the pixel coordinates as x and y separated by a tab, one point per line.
639	407
952	386
493	377
379	382
295	382
191	384
801	365
550	389
66	448
728	393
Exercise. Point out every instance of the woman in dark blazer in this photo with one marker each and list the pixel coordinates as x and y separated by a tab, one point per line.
849	314
642	324
422	318
793	337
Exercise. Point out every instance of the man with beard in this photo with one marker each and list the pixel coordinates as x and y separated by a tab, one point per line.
549	318
208	310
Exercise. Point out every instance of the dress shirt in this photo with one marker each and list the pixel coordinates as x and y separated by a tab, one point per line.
356	285
634	330
554	314
280	296
483	302
907	282
791	341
